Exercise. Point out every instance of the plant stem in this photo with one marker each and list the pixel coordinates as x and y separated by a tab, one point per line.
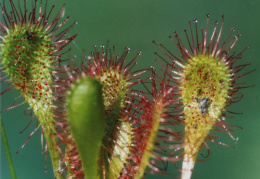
7	150
187	167
53	151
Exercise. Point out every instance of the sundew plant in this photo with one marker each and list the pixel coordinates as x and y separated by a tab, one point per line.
101	114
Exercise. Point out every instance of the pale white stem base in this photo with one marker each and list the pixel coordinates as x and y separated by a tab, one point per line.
187	167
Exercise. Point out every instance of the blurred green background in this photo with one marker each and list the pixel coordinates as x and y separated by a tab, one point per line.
135	24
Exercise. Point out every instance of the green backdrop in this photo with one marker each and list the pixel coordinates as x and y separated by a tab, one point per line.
136	23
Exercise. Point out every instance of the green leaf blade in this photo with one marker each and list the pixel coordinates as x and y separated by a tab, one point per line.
86	117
